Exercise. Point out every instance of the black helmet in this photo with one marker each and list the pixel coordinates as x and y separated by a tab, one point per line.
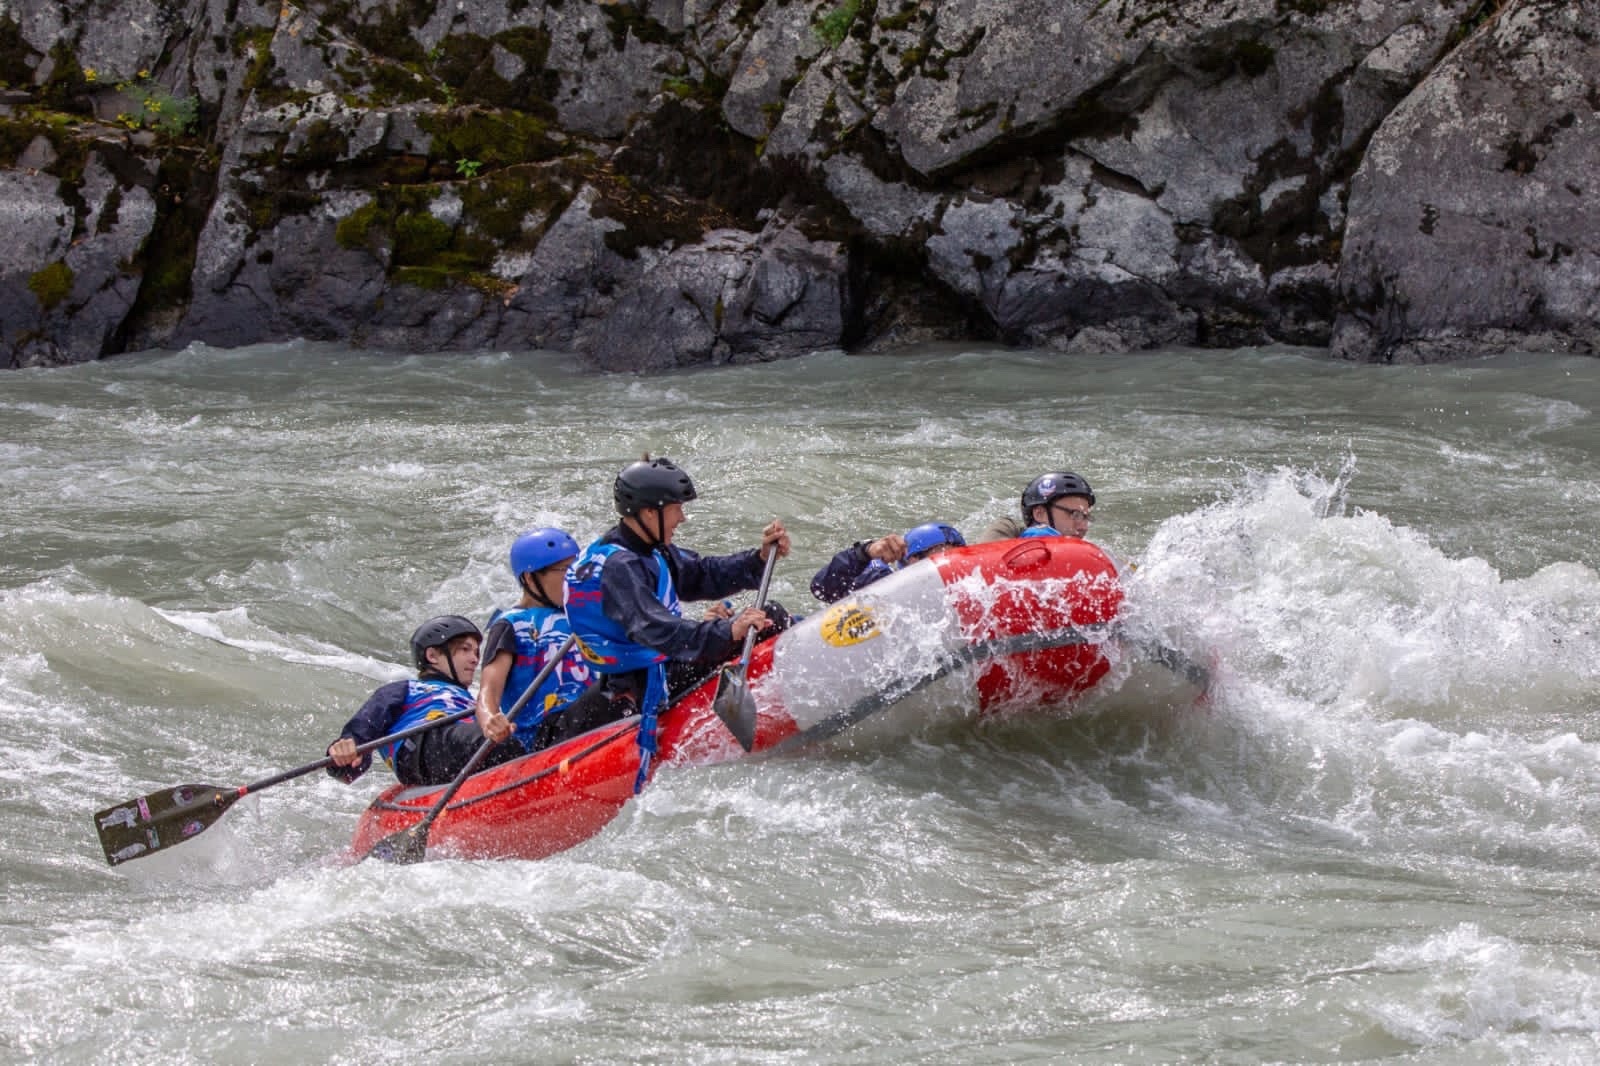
437	632
651	483
1046	487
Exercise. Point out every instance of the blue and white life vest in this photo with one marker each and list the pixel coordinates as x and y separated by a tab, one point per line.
426	698
606	645
541	631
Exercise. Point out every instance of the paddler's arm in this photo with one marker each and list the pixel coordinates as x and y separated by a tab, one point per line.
499	653
628	598
833	581
382	709
1003	528
713	577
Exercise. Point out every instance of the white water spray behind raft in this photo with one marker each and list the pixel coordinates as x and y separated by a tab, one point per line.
1369	681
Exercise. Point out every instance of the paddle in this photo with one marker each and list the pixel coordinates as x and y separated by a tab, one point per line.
734	704
407	846
138	827
1177	662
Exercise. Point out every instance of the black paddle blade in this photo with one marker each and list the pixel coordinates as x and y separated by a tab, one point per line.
736	707
162	819
403	848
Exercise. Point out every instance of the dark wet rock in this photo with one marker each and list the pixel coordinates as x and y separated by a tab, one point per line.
69	278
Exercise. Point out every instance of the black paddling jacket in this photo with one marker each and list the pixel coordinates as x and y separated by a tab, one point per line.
628	597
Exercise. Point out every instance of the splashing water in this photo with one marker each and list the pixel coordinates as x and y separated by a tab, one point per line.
1376	838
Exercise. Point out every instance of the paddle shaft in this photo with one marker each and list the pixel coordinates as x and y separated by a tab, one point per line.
371	745
417	836
732	702
761	601
145	821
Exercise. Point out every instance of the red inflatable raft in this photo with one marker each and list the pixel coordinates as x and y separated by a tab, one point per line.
991	628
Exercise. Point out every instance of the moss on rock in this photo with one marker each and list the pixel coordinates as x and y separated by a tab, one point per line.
497	138
51	284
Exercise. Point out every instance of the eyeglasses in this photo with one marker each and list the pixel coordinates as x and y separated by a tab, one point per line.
1073	512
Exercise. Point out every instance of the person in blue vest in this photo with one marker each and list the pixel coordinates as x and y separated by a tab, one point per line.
867	561
1057	504
625	593
520	641
445	650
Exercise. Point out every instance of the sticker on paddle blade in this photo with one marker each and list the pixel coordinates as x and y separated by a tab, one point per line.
124	854
126	817
845	624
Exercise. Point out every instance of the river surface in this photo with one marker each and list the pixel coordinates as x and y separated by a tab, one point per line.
1376	841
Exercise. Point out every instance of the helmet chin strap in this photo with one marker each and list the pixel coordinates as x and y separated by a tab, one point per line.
535	592
450	661
660	524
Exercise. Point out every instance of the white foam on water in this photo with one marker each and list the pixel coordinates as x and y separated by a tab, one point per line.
1395	695
234	628
1465	984
1375	838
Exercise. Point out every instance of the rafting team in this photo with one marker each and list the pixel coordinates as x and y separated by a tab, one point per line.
604	628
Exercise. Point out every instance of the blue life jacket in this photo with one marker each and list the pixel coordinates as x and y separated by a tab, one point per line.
606	645
540	633
426	698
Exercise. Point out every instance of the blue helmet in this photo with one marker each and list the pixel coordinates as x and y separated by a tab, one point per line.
931	535
541	548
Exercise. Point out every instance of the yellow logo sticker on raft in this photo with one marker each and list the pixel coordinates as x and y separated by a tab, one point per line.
845	624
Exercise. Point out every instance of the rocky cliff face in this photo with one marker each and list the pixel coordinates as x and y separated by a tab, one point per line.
660	183
1473	217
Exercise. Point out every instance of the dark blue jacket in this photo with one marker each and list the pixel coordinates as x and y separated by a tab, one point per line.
628	597
850	570
377	718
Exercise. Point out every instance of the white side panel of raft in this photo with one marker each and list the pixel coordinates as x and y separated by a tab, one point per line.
890	633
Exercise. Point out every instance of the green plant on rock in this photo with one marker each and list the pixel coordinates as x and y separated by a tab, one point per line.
833	26
156	108
468	168
419	238
497	138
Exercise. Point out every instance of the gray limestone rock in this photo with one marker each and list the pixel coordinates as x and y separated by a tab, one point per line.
69	281
1475	217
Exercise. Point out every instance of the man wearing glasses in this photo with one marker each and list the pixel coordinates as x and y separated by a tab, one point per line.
1057	504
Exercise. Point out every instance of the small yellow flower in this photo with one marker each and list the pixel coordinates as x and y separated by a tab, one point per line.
90	74
144	74
154	105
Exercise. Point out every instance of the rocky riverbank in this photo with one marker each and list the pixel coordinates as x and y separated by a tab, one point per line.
662	183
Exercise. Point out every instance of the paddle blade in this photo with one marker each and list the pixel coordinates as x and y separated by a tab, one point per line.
736	707
403	848
1179	663
162	819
